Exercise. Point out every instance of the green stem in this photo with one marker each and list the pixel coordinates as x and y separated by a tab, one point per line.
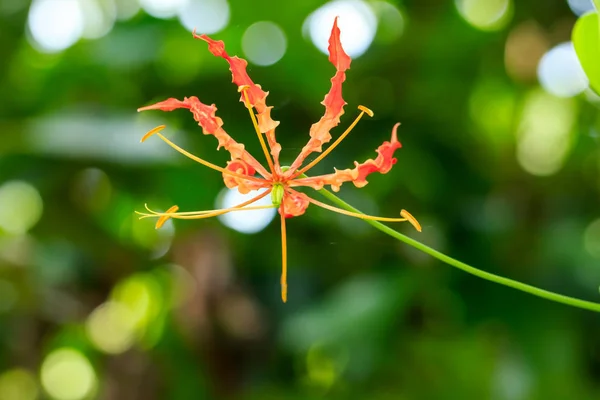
559	298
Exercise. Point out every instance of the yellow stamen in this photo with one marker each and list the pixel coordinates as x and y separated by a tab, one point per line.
367	111
152	132
283	260
244	90
163	218
155	213
411	219
363	110
156	131
404	213
202	214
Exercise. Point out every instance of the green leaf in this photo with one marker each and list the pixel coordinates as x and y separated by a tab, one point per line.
597	4
586	39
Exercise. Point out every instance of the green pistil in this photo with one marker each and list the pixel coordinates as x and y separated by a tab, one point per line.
277	194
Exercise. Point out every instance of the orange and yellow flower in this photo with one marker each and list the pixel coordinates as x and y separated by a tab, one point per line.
280	182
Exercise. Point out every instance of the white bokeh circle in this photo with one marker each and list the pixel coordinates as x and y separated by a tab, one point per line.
560	73
245	221
264	43
357	23
205	16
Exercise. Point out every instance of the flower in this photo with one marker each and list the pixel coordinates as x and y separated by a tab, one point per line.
279	181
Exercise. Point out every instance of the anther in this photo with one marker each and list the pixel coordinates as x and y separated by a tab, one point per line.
152	132
242	89
165	218
366	110
413	221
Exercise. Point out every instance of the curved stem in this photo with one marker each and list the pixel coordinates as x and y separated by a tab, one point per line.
559	298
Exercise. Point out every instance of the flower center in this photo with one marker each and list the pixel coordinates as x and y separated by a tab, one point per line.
277	194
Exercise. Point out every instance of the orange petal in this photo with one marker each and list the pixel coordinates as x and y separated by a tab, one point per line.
256	96
211	125
335	180
333	102
382	164
167	105
243	168
294	203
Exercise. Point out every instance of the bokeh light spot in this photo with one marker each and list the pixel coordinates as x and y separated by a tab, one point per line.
144	233
136	295
66	374
55	25
111	327
580	7
99	17
245	221
545	133
143	296
492	107
320	367
127	9
264	43
487	15
20	207
357	22
162	8
18	384
206	16
560	72
391	21
525	46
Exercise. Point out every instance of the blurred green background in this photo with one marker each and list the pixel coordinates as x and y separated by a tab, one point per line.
500	163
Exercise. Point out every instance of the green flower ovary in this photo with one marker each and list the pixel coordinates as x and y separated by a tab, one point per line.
277	194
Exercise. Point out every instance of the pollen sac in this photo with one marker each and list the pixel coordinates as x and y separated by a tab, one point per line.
277	194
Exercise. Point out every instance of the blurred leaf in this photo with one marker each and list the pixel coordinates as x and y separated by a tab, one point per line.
586	38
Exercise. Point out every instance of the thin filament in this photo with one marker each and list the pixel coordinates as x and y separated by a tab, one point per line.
203	215
198	214
244	90
363	216
363	110
283	259
156	130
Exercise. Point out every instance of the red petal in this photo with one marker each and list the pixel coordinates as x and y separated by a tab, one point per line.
333	102
337	55
293	204
382	164
256	96
211	125
167	105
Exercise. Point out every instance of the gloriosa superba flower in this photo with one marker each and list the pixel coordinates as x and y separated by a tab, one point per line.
279	181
